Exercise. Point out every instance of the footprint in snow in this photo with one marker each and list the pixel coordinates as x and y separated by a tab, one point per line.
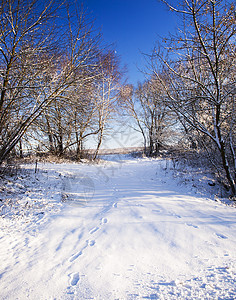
75	256
91	242
221	236
80	236
93	230
88	243
104	221
177	216
74	278
191	225
156	210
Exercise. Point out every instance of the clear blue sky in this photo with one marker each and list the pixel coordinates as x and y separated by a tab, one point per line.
132	26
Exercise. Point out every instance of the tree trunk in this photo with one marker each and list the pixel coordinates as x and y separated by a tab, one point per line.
99	143
227	169
21	150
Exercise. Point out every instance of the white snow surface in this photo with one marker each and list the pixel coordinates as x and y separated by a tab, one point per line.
120	229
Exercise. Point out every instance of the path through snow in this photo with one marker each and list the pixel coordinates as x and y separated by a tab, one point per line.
118	230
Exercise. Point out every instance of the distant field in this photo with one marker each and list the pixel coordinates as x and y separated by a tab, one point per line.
118	150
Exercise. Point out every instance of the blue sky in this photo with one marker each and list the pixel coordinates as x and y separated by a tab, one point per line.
132	26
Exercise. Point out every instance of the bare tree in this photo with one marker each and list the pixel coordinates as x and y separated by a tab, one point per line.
106	91
130	107
156	116
199	67
83	116
37	64
85	109
152	116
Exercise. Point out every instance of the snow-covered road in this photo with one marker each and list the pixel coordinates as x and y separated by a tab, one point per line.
118	230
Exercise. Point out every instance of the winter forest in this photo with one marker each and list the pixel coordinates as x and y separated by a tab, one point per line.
61	84
61	87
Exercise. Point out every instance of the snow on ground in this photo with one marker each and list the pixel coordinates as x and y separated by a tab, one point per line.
120	229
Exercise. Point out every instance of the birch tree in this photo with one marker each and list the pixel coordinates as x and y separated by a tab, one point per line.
106	91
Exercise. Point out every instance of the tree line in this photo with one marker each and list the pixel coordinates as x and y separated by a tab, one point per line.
58	81
191	86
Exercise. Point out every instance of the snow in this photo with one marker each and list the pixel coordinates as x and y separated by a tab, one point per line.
121	229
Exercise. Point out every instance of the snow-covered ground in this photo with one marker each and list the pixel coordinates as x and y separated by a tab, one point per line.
120	229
